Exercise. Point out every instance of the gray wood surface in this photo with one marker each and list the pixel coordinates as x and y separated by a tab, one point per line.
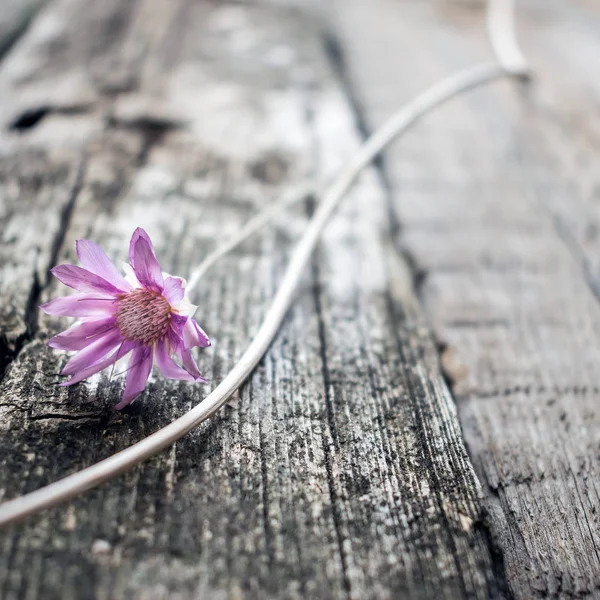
15	17
498	199
339	470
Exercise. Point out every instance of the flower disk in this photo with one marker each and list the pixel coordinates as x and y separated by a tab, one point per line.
143	316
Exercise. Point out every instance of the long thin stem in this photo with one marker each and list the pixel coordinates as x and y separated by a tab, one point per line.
251	227
503	37
65	489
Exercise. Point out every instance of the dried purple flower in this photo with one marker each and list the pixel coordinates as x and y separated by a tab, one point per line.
145	313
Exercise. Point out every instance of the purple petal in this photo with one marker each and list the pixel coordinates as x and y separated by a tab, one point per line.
190	366
137	234
80	305
94	259
146	267
83	280
102	364
80	335
194	336
140	365
178	323
174	290
96	351
168	367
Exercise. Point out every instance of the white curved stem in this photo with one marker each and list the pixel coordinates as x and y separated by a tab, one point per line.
72	485
503	38
251	227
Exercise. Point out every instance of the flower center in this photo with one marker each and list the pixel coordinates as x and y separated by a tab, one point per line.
143	316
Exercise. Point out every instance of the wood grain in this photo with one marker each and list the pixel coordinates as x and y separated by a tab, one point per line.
496	197
339	471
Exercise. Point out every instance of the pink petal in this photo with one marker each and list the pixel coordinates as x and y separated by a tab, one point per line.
137	234
168	367
190	366
145	265
80	305
178	323
94	259
84	280
140	365
80	335
194	336
174	290
96	351
102	364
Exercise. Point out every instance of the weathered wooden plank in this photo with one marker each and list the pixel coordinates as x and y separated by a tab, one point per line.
339	471
495	195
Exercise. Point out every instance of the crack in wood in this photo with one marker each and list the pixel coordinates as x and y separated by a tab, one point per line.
327	451
31	313
31	117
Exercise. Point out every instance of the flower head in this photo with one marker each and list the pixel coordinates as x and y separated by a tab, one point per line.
145	312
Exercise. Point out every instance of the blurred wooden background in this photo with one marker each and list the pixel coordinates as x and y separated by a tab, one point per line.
426	424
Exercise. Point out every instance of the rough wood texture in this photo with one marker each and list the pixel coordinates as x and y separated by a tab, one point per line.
339	470
497	196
